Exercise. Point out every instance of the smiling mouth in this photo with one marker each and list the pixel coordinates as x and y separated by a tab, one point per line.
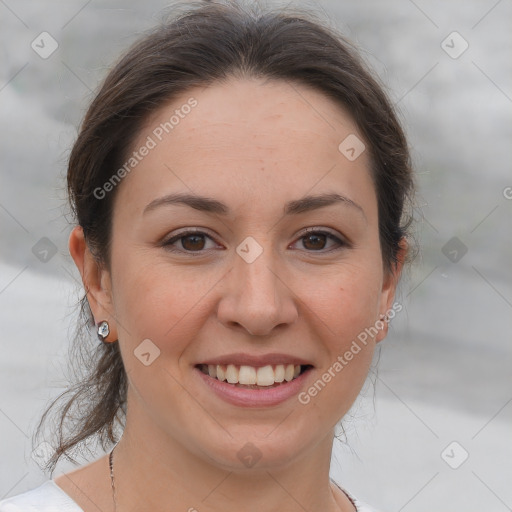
252	377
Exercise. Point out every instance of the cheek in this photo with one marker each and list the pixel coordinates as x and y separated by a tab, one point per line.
156	302
345	309
347	301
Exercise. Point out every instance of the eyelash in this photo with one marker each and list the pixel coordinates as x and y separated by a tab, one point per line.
168	243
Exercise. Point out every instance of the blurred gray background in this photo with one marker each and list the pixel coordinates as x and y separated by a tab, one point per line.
444	372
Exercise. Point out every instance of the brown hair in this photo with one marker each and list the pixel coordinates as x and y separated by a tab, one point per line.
203	43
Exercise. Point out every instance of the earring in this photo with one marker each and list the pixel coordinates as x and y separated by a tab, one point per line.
103	331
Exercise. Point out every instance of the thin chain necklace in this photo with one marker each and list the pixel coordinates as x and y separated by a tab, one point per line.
112	482
111	464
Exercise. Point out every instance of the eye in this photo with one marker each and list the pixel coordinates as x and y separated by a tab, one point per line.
191	241
314	239
195	241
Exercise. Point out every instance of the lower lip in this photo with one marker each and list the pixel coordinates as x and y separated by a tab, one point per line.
246	397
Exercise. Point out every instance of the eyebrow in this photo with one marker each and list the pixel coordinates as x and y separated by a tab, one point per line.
213	206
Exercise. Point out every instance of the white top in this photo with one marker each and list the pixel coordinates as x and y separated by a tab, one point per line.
49	497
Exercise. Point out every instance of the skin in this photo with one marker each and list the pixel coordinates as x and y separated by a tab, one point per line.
254	145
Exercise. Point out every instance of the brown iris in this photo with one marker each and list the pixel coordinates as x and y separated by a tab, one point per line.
196	242
317	239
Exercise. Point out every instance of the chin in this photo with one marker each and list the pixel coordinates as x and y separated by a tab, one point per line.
249	449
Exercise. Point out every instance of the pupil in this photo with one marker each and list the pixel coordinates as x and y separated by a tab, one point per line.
195	239
316	238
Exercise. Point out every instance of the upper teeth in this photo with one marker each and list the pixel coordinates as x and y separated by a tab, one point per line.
262	376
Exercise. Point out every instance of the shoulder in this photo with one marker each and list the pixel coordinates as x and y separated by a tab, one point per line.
48	497
359	505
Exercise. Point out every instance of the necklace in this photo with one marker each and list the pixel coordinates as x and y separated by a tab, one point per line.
112	482
111	464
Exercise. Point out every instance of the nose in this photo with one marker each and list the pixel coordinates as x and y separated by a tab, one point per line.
257	297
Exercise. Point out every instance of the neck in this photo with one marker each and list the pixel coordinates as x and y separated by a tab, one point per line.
151	472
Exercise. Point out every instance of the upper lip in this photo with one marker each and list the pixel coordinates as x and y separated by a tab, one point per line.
240	359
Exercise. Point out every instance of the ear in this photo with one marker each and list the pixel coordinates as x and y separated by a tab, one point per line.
390	282
97	281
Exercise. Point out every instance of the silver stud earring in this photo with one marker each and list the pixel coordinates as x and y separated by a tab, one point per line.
103	331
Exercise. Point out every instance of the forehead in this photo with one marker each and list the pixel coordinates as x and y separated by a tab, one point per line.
266	138
251	112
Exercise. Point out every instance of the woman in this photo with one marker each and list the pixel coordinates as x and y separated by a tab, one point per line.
240	185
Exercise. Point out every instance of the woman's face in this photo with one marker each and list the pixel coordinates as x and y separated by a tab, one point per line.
252	287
